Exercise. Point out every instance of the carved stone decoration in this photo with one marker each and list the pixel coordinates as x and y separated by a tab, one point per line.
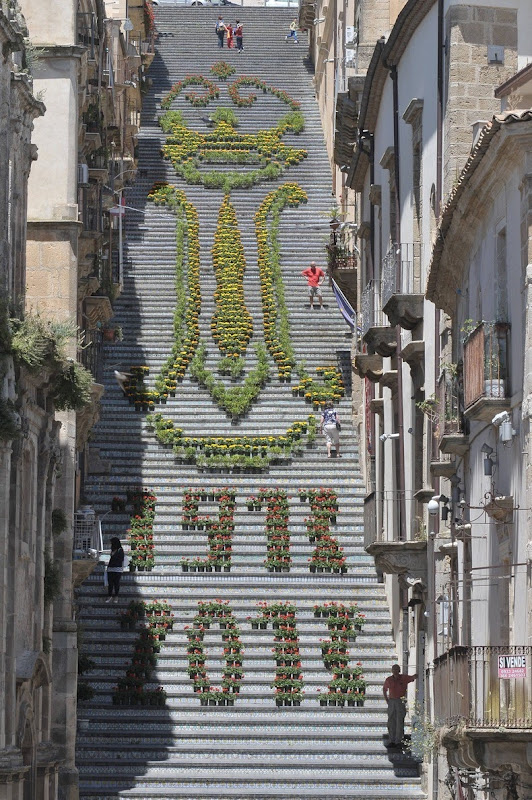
406	559
501	509
81	569
368	366
503	753
381	340
405	310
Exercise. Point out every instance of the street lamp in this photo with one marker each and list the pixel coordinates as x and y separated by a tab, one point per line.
120	212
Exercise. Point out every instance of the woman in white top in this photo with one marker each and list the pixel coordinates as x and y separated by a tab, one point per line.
330	426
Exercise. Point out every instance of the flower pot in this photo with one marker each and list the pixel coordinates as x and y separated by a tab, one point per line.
132	567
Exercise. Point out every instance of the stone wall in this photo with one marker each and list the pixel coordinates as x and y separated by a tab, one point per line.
471	79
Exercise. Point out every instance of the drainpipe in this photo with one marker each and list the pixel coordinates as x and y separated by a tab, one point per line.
440	44
397	173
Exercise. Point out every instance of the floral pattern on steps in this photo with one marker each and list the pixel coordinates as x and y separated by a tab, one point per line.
155	620
288	681
215	612
140	531
328	556
347	684
219	531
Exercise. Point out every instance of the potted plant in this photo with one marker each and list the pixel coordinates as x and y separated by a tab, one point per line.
112	333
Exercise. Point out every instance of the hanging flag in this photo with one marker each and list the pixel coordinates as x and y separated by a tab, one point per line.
346	309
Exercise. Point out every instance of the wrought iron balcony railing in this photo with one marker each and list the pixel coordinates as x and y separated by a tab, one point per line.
90	353
370	519
484	687
87	29
409	256
371	307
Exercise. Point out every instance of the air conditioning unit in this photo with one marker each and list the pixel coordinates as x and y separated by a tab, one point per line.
83	175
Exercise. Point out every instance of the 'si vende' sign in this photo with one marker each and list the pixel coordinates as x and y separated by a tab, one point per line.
512	666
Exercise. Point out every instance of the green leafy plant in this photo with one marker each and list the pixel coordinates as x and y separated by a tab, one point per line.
225	115
85	691
72	387
52	579
222	70
59	521
40	345
9	421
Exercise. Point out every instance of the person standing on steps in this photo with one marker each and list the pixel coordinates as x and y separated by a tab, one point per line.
220	31
239	36
115	568
229	29
394	691
330	426
293	31
315	277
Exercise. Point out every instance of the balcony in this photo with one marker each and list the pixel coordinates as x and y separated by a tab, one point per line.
483	700
368	366
486	377
450	430
87	33
402	301
87	544
408	560
379	337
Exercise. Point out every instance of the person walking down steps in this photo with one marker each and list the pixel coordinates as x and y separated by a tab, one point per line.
239	36
394	691
293	31
115	568
220	31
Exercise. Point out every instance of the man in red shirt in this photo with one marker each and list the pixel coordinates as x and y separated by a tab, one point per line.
394	691
315	277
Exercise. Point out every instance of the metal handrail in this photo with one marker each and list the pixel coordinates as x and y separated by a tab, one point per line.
371	306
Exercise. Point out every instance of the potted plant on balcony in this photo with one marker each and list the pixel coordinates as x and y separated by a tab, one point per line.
113	333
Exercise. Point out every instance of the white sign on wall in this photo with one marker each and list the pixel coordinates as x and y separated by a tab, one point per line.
512	666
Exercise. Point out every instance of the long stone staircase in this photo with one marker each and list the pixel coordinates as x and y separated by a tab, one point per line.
253	748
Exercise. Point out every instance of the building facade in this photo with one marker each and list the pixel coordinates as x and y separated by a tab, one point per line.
71	90
434	195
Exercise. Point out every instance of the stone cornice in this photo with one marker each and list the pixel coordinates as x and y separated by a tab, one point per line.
61	50
385	54
55	223
31	103
408	560
9	33
501	143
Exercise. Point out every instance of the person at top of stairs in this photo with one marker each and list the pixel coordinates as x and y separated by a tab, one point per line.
220	31
239	36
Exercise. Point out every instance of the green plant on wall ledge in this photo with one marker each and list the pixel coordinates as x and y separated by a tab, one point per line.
40	346
429	407
9	421
52	579
59	521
